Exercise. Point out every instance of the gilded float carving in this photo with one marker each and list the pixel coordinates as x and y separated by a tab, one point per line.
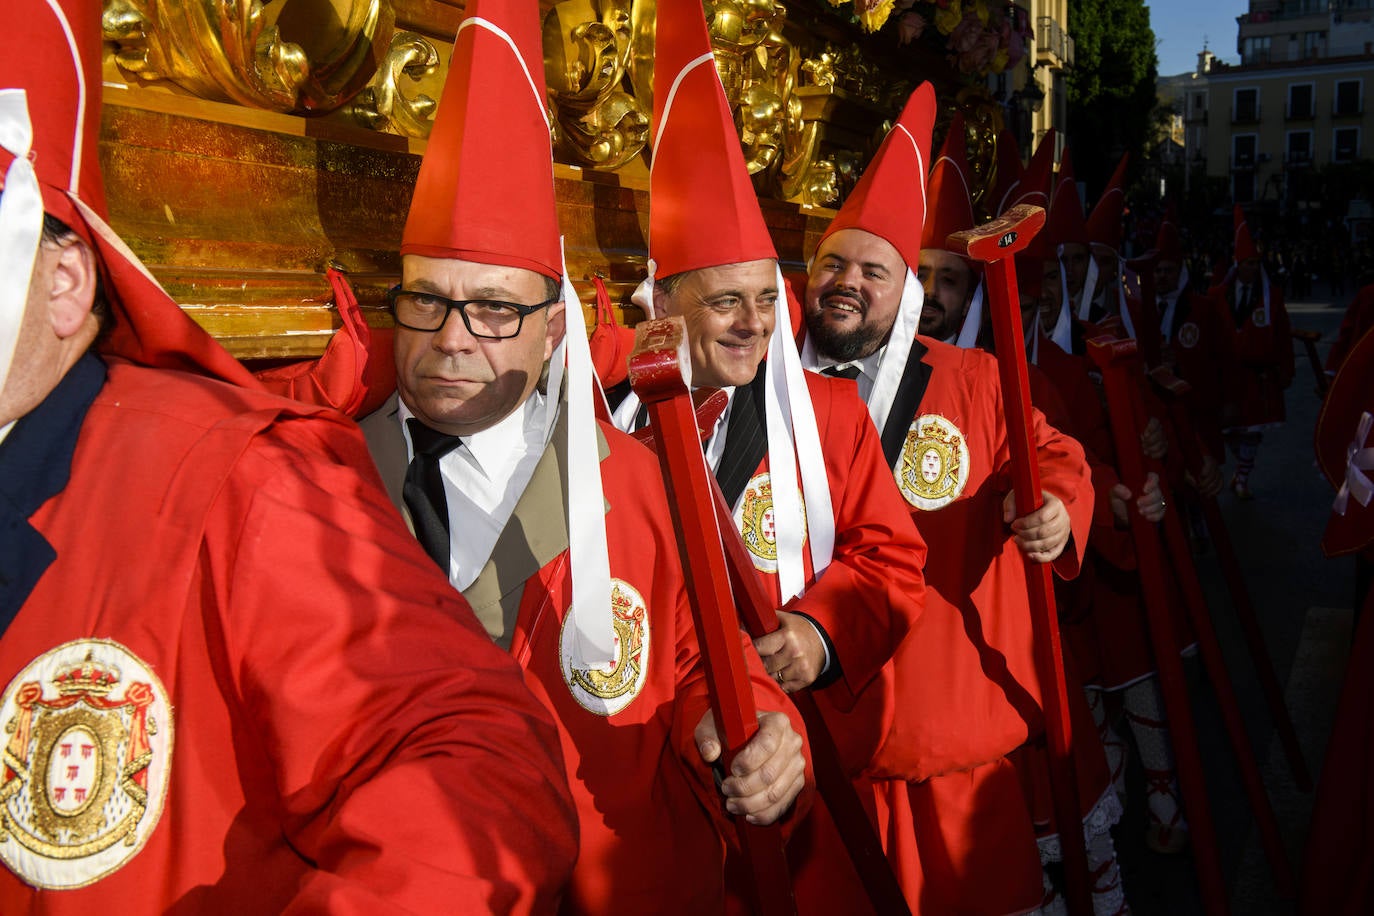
383	105
296	56
600	122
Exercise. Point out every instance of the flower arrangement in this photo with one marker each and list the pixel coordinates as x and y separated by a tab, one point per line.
977	37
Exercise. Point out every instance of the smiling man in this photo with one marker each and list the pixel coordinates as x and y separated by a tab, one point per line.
949	801
555	527
795	455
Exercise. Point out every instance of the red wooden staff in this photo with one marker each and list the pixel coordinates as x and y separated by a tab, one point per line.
657	376
1176	395
994	244
1120	365
1185	572
1174	391
760	617
842	800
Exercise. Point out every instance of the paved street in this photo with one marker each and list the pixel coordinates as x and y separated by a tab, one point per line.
1304	602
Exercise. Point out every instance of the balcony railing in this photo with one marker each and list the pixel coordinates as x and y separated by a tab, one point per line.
1300	112
1053	46
1298	159
1245	114
1347	111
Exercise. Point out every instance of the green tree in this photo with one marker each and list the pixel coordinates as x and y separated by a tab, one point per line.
1111	87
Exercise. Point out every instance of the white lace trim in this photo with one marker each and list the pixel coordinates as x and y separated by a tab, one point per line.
1100	820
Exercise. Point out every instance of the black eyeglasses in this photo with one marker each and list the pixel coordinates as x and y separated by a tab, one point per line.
490	319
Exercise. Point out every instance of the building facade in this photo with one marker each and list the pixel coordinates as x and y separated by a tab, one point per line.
1296	102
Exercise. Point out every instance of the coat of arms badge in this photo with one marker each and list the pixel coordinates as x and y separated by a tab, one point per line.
934	465
757	522
1189	334
86	763
608	690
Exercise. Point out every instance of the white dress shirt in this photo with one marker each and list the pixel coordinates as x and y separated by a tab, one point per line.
868	366
626	418
483	480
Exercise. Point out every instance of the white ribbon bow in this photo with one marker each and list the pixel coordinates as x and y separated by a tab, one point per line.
21	221
1358	459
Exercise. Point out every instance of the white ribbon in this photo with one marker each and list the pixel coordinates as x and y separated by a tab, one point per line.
593	622
1358	459
1062	332
973	321
794	444
643	296
21	222
1085	295
892	363
1124	310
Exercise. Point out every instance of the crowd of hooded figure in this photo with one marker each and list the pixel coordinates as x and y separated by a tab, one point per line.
262	658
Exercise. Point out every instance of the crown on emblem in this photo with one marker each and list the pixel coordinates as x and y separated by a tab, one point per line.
87	676
622	603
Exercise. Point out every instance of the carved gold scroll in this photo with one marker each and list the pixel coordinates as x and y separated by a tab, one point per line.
248	143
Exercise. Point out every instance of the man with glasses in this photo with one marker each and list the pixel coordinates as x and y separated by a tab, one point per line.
554	547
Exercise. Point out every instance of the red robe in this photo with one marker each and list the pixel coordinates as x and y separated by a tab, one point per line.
1358	320
651	820
285	679
1198	349
865	600
968	693
1262	360
1104	622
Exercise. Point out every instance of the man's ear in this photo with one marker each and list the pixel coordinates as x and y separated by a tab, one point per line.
663	303
71	288
555	325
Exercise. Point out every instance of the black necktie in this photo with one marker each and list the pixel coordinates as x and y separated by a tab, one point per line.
1244	308
424	489
850	372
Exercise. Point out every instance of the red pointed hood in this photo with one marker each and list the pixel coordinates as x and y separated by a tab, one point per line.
950	190
1008	172
1104	224
1244	245
485	189
890	198
703	211
1037	179
1168	242
1064	222
52	52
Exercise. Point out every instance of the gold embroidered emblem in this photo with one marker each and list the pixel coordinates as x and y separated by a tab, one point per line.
757	522
1189	334
608	690
86	763
933	469
1260	319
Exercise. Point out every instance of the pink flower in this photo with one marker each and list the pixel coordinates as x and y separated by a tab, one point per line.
965	35
1016	49
979	56
910	27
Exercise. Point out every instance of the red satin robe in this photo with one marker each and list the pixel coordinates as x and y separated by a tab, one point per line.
866	601
1262	364
319	720
951	806
650	817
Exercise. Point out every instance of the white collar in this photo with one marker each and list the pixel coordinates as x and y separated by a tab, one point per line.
813	361
498	446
